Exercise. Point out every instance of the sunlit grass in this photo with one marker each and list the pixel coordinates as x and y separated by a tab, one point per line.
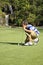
11	54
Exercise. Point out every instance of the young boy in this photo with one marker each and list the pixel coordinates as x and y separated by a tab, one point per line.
32	34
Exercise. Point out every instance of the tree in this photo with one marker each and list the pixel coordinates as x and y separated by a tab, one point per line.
26	9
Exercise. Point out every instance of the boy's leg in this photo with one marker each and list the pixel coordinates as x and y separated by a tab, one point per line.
31	37
34	37
36	41
28	40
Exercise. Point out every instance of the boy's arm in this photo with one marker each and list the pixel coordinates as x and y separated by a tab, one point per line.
28	31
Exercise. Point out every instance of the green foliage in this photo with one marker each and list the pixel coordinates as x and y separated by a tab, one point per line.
25	9
31	18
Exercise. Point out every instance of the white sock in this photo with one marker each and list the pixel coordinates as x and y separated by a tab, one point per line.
28	43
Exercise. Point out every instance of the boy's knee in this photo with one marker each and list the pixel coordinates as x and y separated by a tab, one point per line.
33	35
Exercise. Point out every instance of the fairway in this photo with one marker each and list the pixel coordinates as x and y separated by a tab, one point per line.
13	54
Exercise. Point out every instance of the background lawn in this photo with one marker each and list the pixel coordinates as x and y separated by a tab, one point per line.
12	54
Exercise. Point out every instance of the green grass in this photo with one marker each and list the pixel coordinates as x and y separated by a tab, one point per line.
11	54
12	35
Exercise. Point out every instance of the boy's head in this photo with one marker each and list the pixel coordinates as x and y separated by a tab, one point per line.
24	23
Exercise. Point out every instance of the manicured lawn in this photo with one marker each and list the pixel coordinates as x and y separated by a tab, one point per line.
13	54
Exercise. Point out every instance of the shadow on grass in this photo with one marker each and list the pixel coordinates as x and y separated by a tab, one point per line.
12	43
